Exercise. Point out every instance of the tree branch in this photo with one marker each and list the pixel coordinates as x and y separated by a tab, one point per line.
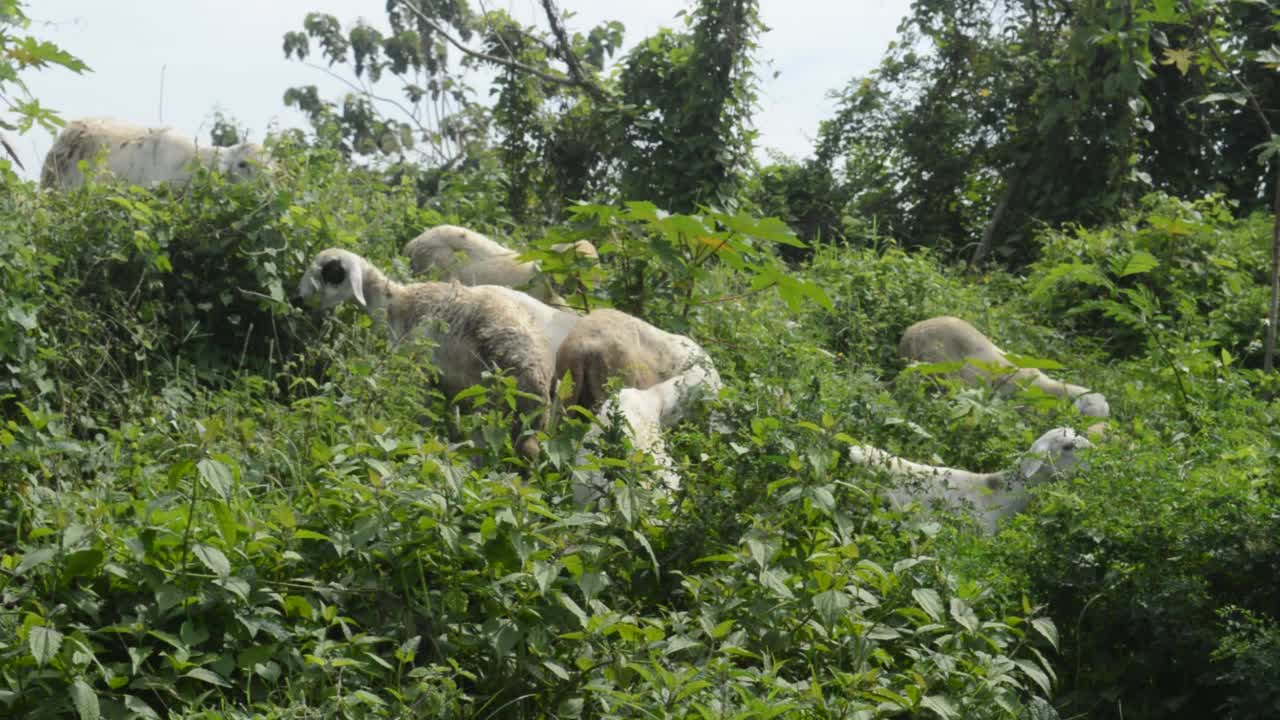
989	232
364	90
1273	309
9	149
503	62
566	54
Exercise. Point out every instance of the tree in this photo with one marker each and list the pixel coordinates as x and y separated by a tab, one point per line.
18	54
1227	67
989	116
673	127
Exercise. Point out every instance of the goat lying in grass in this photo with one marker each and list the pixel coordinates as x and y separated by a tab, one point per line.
994	495
948	339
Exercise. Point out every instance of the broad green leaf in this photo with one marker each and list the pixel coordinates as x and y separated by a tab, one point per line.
831	605
85	700
368	698
139	707
83	562
963	614
44	643
774	582
213	559
216	475
1045	627
35	558
544	573
940	705
1035	673
206	675
930	602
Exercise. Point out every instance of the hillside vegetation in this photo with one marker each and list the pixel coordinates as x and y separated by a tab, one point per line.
218	505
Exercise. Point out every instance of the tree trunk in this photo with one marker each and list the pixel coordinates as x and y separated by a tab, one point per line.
988	233
1268	358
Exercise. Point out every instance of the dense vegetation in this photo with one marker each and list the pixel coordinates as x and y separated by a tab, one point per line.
218	505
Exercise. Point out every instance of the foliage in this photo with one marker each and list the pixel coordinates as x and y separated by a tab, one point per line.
691	96
806	195
217	505
665	260
19	54
267	539
1194	269
673	128
139	284
436	113
1251	647
1139	555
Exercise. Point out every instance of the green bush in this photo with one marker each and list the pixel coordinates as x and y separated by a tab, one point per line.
1139	555
1202	271
220	506
120	286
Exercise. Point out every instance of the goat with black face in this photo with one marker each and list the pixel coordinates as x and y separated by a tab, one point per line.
473	329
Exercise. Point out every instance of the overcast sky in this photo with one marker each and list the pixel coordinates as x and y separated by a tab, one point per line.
227	56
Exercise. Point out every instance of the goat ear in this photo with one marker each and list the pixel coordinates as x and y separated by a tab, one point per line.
357	285
1031	466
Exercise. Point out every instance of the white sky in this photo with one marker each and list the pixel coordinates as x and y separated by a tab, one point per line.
227	55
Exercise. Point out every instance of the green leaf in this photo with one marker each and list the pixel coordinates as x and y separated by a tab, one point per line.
83	562
1238	98
930	601
44	643
213	559
940	705
963	614
208	676
1027	361
35	558
545	573
139	707
85	700
1035	673
774	582
1139	262
216	475
1045	627
1040	709
831	605
1073	272
368	698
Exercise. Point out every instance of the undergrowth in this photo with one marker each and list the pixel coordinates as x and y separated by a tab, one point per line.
217	505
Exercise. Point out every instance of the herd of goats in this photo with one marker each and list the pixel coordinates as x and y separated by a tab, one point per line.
490	310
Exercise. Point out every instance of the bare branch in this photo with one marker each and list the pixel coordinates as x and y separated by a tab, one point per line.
364	90
504	62
9	149
566	54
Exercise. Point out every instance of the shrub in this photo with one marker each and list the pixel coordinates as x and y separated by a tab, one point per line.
1202	271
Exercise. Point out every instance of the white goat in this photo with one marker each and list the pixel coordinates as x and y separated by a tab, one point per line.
949	339
644	414
994	495
474	329
474	259
554	323
140	155
608	343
